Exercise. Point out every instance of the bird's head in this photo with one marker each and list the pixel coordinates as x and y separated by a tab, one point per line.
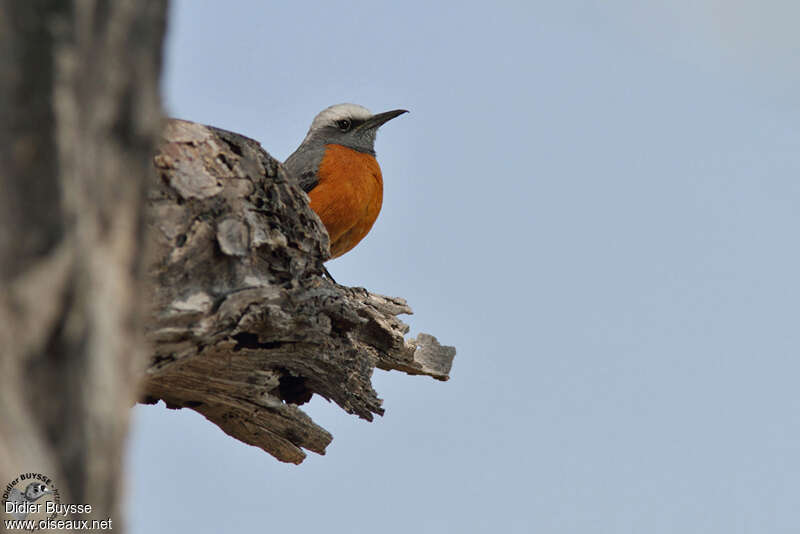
34	490
349	125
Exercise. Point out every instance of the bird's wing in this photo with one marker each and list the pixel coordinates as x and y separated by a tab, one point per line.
308	181
303	164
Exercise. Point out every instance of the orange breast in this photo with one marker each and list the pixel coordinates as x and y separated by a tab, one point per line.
348	196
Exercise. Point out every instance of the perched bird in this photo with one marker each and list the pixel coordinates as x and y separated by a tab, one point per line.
33	492
335	164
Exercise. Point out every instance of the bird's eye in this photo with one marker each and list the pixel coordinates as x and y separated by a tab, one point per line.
343	124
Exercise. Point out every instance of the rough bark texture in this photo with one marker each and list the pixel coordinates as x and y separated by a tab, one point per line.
243	327
79	117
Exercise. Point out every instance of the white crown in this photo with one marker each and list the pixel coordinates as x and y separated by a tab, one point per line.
330	115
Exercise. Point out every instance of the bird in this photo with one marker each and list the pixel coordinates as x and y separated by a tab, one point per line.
336	166
33	492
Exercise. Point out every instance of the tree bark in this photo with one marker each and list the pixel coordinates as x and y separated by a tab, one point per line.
244	327
79	117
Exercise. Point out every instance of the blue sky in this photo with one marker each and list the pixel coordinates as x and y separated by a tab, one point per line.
595	202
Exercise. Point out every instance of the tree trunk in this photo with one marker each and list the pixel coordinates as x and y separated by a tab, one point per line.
80	114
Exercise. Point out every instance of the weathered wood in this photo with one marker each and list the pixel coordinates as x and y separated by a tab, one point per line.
244	328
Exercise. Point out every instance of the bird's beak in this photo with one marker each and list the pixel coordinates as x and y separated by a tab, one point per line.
377	120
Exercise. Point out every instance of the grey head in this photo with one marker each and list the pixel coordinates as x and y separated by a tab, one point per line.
348	125
35	490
